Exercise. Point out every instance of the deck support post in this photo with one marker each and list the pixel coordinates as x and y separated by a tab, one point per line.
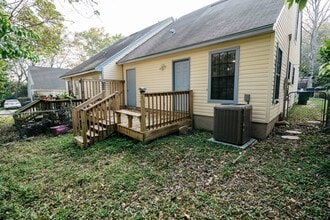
191	112
143	110
84	127
82	90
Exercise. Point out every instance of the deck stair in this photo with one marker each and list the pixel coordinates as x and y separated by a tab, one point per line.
158	114
94	120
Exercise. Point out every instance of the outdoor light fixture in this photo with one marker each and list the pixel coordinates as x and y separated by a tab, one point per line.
162	67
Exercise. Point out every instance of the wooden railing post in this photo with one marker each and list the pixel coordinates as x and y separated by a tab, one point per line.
84	127
117	101
191	104
82	90
143	110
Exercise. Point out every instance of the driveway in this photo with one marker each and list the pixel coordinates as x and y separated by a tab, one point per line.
4	112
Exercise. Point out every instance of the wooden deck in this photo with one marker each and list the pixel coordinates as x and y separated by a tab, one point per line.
130	124
159	114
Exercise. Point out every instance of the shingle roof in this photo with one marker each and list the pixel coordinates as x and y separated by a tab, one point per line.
47	78
214	22
110	51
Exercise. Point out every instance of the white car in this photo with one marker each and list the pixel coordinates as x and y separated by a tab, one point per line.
12	103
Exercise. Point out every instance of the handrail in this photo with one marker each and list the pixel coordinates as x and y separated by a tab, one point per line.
102	112
167	92
98	102
91	100
28	106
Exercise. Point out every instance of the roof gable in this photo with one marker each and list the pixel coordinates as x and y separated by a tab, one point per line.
47	78
92	63
213	22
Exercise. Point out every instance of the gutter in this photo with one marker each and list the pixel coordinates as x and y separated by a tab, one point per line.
286	81
78	74
249	33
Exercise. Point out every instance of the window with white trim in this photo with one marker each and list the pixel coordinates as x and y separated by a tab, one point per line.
278	70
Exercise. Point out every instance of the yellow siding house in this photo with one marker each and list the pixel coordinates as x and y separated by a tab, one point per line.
229	52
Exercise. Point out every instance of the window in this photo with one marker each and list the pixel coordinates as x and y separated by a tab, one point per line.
289	71
223	75
278	68
293	73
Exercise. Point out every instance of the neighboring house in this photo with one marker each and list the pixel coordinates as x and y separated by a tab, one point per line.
223	52
103	65
45	81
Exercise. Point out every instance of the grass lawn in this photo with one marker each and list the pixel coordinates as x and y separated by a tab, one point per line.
176	177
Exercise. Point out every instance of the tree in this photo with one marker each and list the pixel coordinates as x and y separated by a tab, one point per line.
317	14
38	17
29	29
324	74
301	3
92	41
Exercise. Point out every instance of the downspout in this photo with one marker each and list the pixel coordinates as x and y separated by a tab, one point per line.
286	83
123	75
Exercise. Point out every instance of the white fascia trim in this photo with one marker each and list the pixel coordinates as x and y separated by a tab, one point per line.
278	17
78	74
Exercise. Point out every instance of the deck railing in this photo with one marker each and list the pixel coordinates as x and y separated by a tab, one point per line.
99	116
41	106
57	111
76	112
92	87
164	108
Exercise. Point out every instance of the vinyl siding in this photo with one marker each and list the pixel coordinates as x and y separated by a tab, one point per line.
255	58
111	70
285	25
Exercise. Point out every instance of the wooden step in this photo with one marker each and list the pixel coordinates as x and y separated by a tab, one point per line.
92	134
105	122
80	141
98	128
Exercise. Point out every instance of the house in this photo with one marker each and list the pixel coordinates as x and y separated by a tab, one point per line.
45	81
103	65
224	52
175	72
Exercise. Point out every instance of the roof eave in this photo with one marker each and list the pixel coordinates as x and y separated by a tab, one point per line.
81	73
249	33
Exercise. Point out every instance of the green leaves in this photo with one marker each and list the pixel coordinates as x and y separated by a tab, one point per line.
324	73
93	41
301	3
16	42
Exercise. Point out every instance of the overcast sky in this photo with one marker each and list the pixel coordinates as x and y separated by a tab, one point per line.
126	16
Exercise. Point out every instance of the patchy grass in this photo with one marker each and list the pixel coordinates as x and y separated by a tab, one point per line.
312	111
7	130
178	177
